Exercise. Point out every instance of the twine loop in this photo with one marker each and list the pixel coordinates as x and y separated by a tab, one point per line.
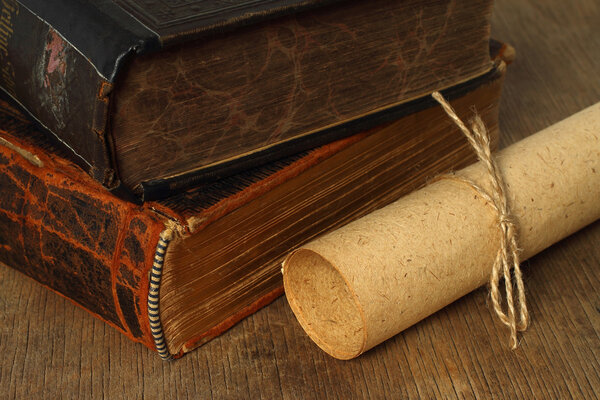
507	258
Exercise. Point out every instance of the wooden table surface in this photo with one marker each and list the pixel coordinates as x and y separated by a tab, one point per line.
52	349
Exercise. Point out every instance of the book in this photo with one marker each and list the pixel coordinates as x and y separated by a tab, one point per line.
154	97
174	273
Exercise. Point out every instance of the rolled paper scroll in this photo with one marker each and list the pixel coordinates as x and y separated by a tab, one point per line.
366	282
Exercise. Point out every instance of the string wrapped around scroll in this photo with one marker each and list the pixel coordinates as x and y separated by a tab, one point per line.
508	252
364	283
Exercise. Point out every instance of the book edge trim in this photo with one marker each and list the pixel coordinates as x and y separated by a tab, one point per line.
157	189
130	35
83	25
153	301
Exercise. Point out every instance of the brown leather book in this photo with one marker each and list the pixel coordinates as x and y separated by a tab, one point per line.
152	97
174	273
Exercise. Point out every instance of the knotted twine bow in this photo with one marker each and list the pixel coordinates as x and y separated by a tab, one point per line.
507	257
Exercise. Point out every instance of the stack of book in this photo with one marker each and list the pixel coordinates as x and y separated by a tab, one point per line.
158	160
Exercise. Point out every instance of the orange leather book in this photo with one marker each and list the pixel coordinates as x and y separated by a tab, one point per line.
174	273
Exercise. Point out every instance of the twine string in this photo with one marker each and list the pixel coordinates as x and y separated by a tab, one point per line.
507	258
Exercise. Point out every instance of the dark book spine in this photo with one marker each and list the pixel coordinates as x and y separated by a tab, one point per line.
57	85
61	228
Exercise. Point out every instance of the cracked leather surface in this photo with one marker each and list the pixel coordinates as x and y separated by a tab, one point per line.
61	228
189	106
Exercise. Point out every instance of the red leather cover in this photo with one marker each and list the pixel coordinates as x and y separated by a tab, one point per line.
63	229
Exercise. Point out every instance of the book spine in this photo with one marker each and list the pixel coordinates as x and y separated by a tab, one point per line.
64	230
58	86
154	294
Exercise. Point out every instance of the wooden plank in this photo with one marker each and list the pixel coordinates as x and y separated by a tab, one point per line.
52	349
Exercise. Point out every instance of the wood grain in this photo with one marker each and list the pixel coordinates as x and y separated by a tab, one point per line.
52	349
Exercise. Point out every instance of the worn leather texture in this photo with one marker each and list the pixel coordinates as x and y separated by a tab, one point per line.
104	33
61	228
278	87
107	32
64	60
249	184
58	86
175	21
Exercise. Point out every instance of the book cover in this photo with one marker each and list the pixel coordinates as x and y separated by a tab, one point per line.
154	97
